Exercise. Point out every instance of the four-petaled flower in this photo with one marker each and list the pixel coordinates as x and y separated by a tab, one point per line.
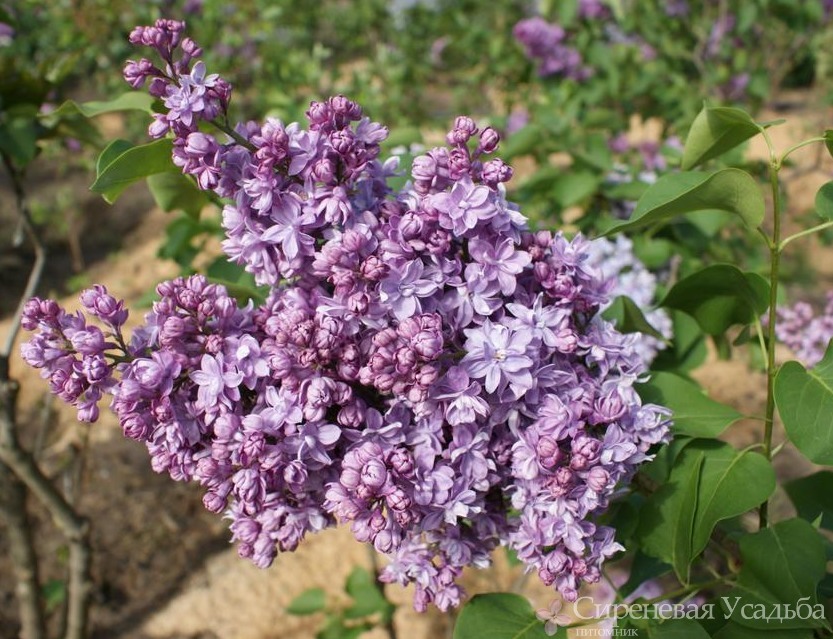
553	617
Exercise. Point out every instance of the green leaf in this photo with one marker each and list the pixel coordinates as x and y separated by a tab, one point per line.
628	318
828	140
824	201
19	140
720	296
335	628
678	629
500	616
813	496
729	190
308	602
368	598
644	568
175	192
110	153
709	482
693	412
573	187
714	131
129	101
54	593
131	165
239	284
781	564
522	142
688	348
805	403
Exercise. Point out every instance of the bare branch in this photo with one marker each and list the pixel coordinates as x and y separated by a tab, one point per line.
74	527
37	267
22	554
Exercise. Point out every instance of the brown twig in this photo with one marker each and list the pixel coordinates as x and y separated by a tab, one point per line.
74	527
21	463
22	554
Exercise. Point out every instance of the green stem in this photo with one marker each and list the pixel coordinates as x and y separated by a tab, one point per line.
810	231
789	151
775	263
225	128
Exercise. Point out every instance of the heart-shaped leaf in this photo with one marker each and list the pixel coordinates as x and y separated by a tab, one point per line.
720	296
694	414
710	482
629	318
729	190
813	496
781	565
501	616
805	402
824	201
130	165
714	131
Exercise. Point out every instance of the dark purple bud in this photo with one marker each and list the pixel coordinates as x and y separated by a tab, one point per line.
398	500
402	462
549	454
489	140
495	172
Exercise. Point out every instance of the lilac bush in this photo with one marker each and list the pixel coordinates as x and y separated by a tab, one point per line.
425	367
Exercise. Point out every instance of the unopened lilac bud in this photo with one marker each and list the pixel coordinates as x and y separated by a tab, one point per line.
160	126
213	502
374	269
295	473
88	342
495	172
489	140
323	170
199	144
374	474
95	369
597	479
464	128
549	454
342	141
101	304
402	462
343	106
350	416
459	163
427	345
318	114
383	542
398	500
350	478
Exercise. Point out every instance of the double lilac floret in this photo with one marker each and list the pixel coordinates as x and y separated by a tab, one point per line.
424	367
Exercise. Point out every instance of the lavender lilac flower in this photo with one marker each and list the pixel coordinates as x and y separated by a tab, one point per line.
425	368
806	333
628	276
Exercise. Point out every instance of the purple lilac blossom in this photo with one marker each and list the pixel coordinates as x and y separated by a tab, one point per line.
805	332
424	368
628	276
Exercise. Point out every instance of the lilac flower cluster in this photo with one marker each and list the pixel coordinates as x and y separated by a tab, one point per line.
628	276
424	368
548	45
544	43
804	332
